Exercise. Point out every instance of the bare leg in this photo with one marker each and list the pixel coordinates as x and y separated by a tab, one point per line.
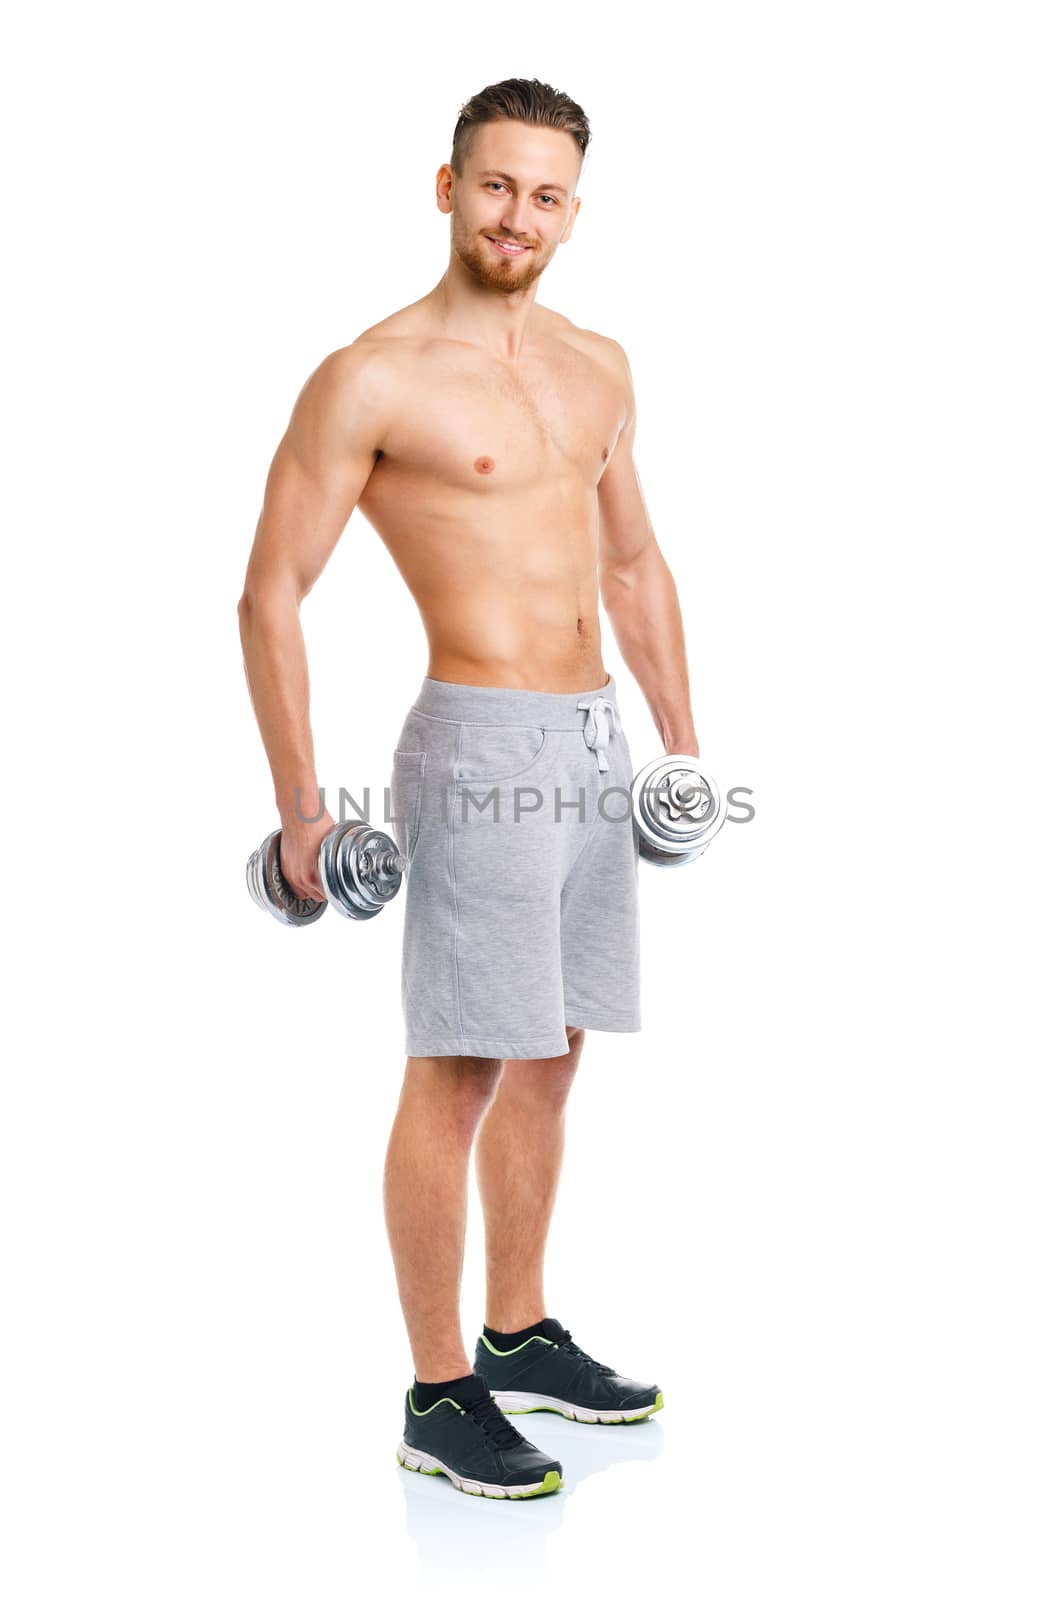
424	1198
520	1149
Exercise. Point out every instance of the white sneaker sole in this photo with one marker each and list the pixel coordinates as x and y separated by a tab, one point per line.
515	1401
419	1461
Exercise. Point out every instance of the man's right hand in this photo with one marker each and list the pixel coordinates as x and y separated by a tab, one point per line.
298	851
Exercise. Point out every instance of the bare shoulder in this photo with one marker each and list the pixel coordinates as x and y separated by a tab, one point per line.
365	369
380	363
606	352
597	345
352	393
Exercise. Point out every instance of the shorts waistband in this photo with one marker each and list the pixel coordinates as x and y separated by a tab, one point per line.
469	702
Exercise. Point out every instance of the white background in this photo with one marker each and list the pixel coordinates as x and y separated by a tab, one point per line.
804	1199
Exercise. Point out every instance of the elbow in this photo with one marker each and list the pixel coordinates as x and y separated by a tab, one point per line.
617	582
247	609
619	578
259	601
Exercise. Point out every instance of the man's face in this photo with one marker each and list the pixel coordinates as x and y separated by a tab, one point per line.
517	187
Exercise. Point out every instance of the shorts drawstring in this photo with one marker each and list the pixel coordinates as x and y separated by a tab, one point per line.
601	715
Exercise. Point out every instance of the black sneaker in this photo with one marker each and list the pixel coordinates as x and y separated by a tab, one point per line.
550	1372
472	1443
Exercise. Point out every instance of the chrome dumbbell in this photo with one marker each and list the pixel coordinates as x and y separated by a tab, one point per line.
360	868
677	810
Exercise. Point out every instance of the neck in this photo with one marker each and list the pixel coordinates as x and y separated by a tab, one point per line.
472	311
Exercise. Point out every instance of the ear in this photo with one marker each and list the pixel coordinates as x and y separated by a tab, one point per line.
443	185
575	207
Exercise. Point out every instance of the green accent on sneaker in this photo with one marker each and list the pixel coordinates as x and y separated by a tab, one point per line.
524	1411
536	1338
426	1413
435	1472
550	1483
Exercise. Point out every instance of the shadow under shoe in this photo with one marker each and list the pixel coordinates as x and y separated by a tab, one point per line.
469	1440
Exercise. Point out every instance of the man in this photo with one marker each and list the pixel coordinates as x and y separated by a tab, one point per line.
489	442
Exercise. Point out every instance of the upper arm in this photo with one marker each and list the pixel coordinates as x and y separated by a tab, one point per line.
625	526
320	468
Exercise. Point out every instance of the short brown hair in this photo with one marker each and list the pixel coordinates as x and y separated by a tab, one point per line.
518	100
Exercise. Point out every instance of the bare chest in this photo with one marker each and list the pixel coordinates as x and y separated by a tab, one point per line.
489	429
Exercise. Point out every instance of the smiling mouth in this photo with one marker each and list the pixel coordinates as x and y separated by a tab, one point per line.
506	247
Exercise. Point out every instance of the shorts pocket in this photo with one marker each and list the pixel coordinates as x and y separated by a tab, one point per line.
406	799
497	754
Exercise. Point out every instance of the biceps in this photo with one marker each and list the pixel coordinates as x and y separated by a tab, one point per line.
307	505
625	526
318	473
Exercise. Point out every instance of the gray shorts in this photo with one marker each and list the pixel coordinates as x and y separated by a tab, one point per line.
512	809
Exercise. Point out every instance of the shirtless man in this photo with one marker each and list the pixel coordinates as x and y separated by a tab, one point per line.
489	442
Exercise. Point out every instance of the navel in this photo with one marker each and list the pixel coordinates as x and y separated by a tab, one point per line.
605	452
484	464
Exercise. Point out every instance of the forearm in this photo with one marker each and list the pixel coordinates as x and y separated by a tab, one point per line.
275	661
641	601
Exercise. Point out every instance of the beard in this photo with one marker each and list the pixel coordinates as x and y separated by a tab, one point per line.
492	271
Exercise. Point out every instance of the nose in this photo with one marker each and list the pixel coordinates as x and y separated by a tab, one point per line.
512	221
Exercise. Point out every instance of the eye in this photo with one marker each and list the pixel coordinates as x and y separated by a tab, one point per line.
548	197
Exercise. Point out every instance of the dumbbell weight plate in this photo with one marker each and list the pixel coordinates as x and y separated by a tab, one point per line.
360	868
677	810
271	891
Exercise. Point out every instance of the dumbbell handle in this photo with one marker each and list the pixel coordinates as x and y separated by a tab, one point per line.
387	861
361	870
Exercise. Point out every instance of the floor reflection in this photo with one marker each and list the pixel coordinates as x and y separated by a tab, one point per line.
457	1534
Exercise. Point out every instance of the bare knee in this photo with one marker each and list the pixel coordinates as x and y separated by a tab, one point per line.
548	1082
567	1066
456	1090
557	1082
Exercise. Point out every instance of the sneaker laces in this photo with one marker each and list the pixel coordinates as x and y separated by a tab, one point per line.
496	1425
598	1366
